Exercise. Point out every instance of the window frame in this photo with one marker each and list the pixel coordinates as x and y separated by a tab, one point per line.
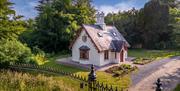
115	55
84	54
106	55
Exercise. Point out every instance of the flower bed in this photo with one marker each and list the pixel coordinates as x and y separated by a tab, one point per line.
143	61
121	70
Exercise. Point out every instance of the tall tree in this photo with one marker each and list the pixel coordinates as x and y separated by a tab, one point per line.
156	20
152	27
58	20
10	24
129	24
175	24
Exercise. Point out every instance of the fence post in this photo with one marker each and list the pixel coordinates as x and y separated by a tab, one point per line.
92	79
158	84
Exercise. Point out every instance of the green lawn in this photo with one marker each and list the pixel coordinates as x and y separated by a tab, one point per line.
120	82
106	78
52	63
177	88
145	56
152	53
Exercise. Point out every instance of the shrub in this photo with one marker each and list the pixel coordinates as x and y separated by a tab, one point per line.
143	61
39	59
121	70
13	51
126	66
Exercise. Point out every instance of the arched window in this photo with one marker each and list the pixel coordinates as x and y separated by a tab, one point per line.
84	52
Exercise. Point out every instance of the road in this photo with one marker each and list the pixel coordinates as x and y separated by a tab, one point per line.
167	69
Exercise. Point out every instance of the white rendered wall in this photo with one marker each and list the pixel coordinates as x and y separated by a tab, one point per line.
94	56
111	59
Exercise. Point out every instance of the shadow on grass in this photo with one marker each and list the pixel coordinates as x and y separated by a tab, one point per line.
170	81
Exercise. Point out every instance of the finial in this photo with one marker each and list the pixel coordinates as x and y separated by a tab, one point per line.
92	74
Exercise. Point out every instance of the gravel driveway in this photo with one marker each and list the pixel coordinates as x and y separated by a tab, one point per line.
167	69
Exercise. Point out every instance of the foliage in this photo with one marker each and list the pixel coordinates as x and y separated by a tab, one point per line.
57	23
38	82
12	51
156	20
152	53
121	70
127	23
11	25
142	61
175	24
145	56
39	59
177	88
154	27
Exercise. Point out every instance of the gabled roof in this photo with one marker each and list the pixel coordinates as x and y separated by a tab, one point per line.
108	39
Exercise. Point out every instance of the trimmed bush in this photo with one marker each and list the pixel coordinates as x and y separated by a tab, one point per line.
13	51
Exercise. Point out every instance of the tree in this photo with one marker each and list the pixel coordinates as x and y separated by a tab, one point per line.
10	24
175	25
29	35
156	20
151	27
128	23
58	20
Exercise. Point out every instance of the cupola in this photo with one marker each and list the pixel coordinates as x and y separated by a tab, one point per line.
100	20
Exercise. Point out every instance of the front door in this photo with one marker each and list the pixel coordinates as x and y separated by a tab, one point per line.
122	56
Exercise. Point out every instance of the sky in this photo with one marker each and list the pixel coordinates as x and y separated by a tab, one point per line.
26	7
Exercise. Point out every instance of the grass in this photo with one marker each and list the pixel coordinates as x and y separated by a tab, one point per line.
52	63
106	78
145	56
152	53
120	82
177	88
35	81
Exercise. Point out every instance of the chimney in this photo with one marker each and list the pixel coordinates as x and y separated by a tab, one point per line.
100	20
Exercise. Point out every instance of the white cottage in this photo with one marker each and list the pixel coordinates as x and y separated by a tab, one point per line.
99	44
